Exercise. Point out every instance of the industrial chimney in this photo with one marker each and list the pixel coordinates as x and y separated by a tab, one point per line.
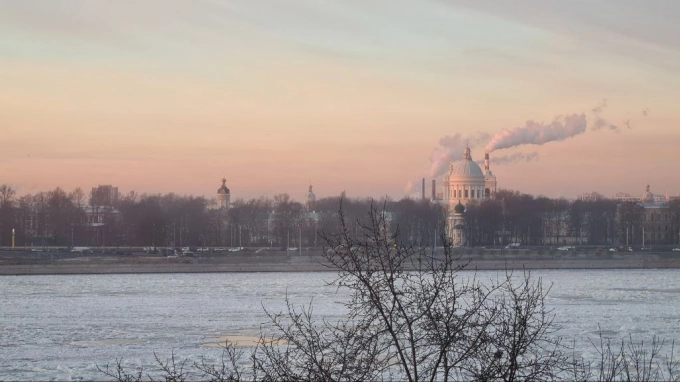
434	191
422	194
486	162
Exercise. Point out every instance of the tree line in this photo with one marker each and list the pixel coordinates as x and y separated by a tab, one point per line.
61	218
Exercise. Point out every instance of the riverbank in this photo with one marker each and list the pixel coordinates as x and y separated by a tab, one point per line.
312	261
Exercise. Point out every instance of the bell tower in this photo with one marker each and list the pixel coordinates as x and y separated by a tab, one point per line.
223	195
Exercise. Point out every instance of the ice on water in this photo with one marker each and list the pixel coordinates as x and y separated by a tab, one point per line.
62	327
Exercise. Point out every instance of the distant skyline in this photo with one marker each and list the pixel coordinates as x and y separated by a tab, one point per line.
367	97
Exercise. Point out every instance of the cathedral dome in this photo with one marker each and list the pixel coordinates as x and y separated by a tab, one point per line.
459	208
466	169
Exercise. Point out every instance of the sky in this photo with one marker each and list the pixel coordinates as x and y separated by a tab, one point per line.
162	96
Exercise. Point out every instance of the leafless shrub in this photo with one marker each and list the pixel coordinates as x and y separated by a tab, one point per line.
628	361
117	373
228	370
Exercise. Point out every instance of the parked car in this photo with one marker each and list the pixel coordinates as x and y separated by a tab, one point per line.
567	248
613	250
676	249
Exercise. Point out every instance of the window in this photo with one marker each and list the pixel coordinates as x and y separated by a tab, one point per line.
466	194
454	193
487	193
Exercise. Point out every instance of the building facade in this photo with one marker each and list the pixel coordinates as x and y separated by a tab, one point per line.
465	183
657	227
455	225
104	195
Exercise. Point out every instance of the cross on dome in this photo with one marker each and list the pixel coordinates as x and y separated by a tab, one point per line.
467	155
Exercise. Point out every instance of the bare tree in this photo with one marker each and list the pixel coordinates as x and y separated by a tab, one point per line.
412	314
7	194
77	197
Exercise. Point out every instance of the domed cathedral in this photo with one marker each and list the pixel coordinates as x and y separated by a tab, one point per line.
223	196
465	183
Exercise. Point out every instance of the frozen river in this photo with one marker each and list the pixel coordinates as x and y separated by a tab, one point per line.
61	327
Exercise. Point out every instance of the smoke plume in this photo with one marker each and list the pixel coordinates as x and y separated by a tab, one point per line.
451	148
600	123
512	158
411	188
534	133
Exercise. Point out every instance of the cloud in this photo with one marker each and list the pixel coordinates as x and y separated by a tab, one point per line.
644	30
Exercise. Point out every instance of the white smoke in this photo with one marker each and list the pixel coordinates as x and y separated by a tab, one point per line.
410	188
414	189
451	148
513	158
534	133
600	123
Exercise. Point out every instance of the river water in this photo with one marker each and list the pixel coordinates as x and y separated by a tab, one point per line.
62	327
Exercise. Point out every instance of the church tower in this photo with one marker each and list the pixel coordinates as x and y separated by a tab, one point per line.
223	196
311	199
455	226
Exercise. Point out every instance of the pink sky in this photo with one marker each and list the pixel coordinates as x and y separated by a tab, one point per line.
169	96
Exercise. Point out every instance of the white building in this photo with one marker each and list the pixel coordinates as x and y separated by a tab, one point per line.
455	226
465	183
